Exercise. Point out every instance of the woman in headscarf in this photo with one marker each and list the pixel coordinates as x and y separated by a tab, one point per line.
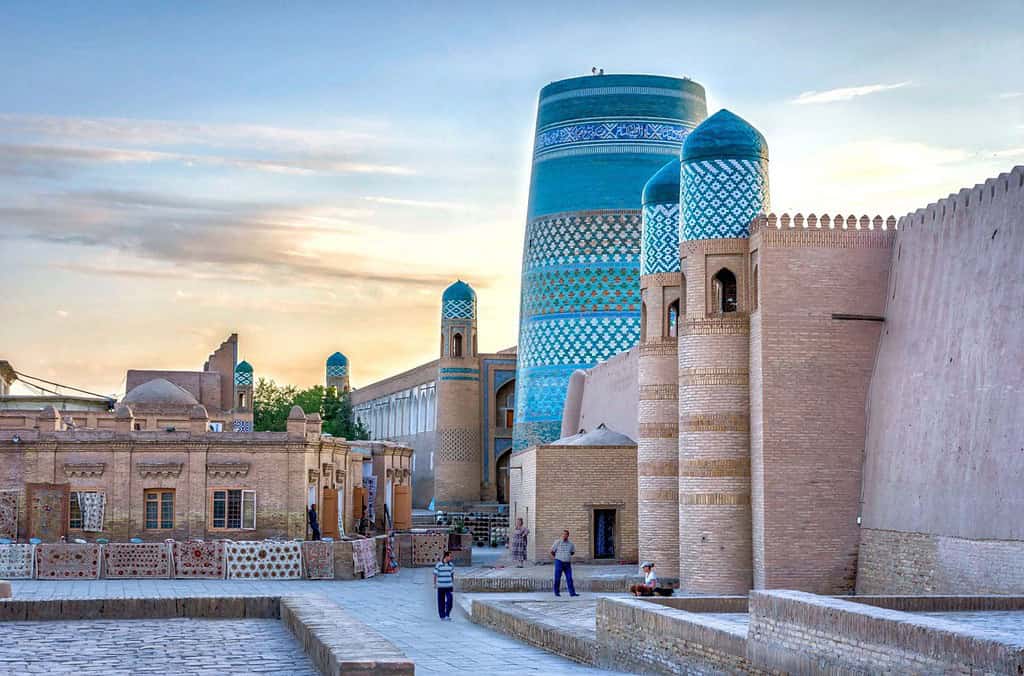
518	542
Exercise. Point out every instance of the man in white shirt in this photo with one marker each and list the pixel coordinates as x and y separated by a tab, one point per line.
562	551
444	583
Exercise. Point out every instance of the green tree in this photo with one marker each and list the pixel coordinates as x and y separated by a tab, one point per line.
273	402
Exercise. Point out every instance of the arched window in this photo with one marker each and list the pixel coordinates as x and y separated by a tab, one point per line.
643	321
725	291
672	323
753	289
474	345
241	400
457	344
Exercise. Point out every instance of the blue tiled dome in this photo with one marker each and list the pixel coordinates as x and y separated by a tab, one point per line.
243	367
663	186
724	136
337	359
459	291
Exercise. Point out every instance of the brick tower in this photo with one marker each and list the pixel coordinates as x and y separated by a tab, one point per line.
724	185
457	467
337	372
660	313
242	413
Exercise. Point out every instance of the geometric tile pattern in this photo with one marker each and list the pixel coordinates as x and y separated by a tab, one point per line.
580	304
241	426
659	245
720	197
459	308
243	378
337	370
601	132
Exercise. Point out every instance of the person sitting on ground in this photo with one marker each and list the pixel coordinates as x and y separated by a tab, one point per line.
650	581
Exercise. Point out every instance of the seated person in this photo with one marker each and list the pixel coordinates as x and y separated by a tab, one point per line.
650	587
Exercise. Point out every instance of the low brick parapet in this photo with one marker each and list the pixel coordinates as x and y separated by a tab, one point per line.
801	633
338	643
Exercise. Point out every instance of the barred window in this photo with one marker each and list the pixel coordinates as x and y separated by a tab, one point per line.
233	509
159	508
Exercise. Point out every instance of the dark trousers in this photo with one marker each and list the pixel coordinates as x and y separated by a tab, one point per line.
316	532
444	601
563	567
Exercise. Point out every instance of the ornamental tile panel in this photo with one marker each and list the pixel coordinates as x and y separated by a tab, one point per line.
719	198
659	243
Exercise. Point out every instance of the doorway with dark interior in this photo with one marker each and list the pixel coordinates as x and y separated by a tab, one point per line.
604	533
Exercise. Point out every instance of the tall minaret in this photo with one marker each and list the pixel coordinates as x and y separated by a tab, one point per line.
724	185
243	413
457	468
337	372
660	313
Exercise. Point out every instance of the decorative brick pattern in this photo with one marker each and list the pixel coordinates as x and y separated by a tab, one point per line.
715	467
459	445
724	422
713	376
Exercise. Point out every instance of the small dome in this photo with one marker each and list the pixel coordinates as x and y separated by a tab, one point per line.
296	413
663	187
199	412
459	291
159	391
601	436
337	359
724	135
243	367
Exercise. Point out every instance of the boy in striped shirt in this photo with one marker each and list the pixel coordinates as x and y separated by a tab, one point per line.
444	582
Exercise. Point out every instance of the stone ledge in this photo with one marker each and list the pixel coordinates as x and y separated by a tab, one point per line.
229	607
337	643
506	617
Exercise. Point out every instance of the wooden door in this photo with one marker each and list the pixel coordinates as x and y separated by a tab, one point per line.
402	503
358	502
329	513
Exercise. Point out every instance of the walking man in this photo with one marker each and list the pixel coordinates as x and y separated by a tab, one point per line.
444	582
562	550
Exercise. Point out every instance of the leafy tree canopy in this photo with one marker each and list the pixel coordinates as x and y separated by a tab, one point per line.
272	402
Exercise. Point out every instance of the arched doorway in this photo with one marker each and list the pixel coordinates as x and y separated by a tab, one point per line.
501	476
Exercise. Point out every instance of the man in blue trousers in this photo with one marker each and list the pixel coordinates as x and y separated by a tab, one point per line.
444	582
562	550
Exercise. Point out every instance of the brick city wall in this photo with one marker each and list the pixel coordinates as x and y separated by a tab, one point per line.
801	633
561	486
897	562
943	460
808	383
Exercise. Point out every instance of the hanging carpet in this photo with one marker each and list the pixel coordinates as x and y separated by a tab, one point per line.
204	560
124	560
264	560
67	562
9	514
364	557
318	560
47	509
16	562
428	548
92	506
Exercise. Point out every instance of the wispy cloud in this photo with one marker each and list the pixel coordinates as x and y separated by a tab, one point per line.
1010	95
1009	152
420	204
844	93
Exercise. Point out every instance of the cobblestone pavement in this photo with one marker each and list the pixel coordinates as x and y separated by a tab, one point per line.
179	646
402	607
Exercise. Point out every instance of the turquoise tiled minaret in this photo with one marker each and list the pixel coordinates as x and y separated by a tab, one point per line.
337	372
659	244
724	181
598	140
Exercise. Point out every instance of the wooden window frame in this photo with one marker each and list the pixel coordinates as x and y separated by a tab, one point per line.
73	500
159	492
211	501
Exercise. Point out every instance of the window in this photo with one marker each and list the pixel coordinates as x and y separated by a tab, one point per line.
241	400
673	319
159	509
216	427
75	511
457	345
724	283
234	509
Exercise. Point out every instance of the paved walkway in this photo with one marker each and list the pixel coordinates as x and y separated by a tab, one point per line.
129	647
402	607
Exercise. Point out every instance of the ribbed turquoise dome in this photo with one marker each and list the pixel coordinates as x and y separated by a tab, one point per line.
664	185
724	135
337	359
243	367
459	291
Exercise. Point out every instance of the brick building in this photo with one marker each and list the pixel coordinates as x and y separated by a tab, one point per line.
455	412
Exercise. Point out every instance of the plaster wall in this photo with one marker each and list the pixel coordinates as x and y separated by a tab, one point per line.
610	394
945	429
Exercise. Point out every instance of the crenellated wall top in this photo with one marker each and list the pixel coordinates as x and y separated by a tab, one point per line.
1004	187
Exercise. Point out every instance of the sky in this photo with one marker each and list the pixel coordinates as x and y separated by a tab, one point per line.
311	175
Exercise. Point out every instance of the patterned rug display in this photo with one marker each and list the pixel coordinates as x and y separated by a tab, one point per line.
318	560
9	514
47	508
364	557
67	562
264	560
124	560
428	548
16	562
203	560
